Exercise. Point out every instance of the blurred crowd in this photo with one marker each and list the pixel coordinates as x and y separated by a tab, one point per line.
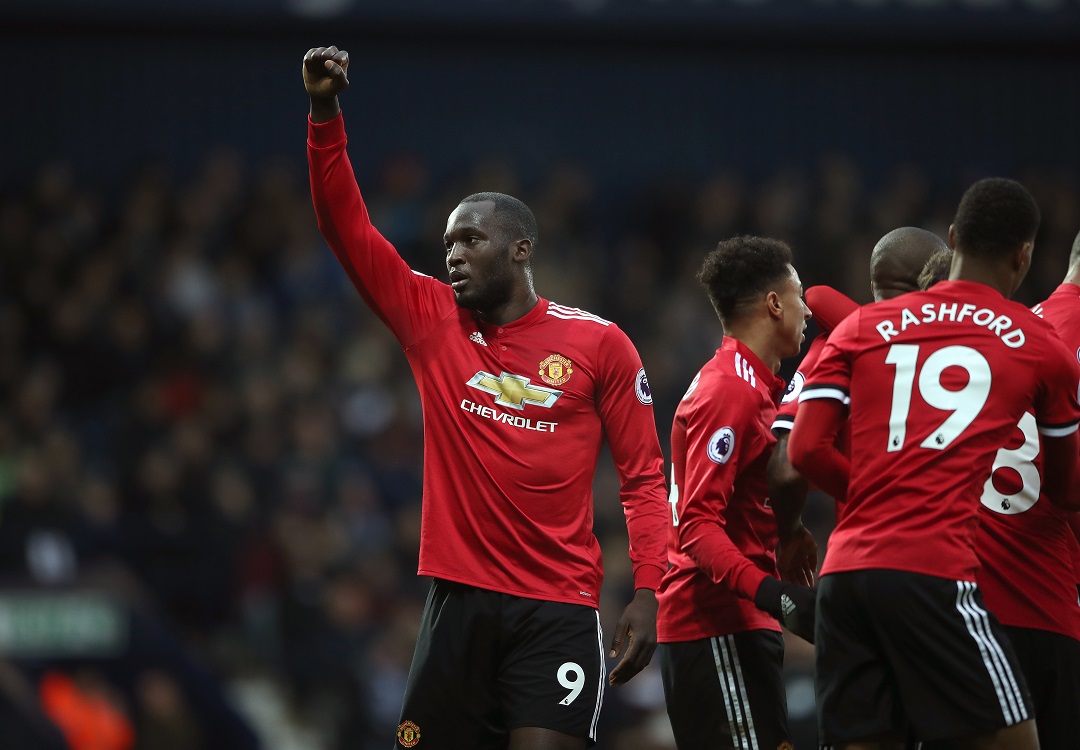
199	417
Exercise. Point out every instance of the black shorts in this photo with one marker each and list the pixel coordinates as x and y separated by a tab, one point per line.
901	654
486	663
1051	664
727	692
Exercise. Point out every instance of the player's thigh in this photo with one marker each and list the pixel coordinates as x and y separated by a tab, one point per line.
1051	664
955	670
451	698
727	691
856	697
552	674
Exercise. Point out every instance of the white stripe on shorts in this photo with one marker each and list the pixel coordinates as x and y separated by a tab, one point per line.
733	685
603	679
1010	698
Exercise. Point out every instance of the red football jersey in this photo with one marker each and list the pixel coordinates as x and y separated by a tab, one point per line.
1062	311
1024	542
936	380
514	417
723	535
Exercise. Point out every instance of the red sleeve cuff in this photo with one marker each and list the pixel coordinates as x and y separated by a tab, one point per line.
648	577
326	134
749	582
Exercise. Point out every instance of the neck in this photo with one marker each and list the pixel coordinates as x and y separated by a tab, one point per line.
511	310
758	338
965	268
1073	275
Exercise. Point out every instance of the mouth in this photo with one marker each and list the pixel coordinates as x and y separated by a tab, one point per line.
458	279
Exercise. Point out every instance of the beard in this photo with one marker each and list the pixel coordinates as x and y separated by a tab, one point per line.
494	289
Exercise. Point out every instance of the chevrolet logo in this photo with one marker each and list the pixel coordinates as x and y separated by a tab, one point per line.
514	390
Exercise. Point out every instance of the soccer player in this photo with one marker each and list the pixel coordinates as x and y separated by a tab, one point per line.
518	394
936	381
721	650
895	264
1026	548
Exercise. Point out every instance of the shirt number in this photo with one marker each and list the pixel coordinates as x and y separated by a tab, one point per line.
1021	461
965	404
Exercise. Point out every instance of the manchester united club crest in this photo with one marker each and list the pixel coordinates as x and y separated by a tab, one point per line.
555	370
408	734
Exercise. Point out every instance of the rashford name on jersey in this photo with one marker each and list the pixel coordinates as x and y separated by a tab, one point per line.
1001	325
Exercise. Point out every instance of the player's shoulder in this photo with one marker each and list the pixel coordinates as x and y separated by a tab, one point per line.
729	373
723	387
1066	296
575	317
1038	327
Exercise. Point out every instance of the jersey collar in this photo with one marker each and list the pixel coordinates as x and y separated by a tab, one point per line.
530	318
771	385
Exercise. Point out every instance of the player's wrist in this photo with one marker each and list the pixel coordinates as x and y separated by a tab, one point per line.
323	109
792	605
767	596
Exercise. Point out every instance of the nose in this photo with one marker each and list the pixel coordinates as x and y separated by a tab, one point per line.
453	256
806	312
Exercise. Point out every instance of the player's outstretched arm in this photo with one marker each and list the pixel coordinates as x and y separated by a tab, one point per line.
326	74
636	632
829	306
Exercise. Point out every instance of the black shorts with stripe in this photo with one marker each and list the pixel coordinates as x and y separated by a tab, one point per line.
487	663
1051	664
907	655
727	691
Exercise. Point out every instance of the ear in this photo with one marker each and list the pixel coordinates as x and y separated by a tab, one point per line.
521	250
952	237
774	305
1022	259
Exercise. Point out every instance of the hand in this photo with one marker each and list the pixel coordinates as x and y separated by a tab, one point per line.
796	557
794	606
636	630
325	76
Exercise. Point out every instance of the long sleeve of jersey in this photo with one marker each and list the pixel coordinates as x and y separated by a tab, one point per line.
627	415
812	446
407	302
713	465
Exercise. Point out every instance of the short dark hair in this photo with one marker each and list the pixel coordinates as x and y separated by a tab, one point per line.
514	215
995	217
936	269
741	269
